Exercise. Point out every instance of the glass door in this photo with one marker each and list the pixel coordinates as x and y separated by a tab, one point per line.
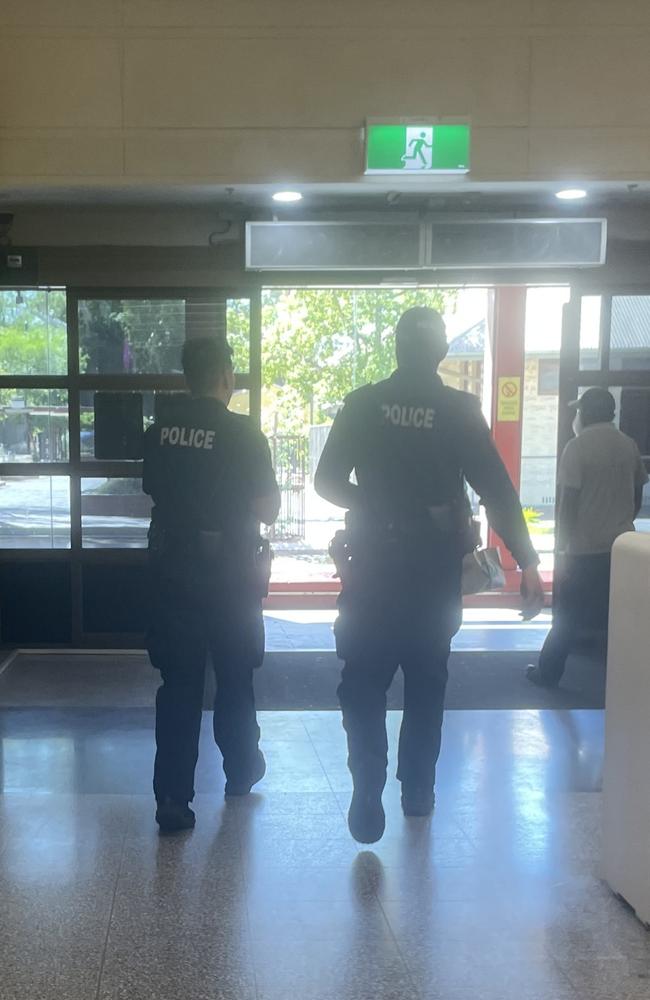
128	347
83	372
542	343
606	342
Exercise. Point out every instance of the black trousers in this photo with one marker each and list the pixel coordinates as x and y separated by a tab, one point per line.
395	613
580	611
192	618
362	694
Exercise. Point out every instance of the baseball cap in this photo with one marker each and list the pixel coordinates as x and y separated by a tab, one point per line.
595	402
420	338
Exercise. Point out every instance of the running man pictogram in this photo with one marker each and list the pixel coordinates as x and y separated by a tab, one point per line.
415	151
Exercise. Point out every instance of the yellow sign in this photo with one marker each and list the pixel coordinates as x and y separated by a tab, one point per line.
509	401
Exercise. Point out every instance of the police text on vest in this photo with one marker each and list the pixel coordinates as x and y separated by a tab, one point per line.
181	437
409	416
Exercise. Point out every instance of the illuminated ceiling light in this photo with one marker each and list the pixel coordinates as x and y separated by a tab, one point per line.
287	197
571	194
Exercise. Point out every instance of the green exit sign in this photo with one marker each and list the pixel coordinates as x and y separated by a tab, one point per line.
417	148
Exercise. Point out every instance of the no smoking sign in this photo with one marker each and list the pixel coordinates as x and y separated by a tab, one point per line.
509	398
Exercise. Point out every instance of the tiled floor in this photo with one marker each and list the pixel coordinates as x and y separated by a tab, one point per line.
496	898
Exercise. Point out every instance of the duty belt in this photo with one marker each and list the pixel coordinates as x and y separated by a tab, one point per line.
445	519
166	541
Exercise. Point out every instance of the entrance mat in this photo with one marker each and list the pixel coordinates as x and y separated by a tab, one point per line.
289	681
476	681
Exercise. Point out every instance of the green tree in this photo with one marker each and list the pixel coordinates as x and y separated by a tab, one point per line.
33	334
131	335
319	344
33	341
238	326
147	335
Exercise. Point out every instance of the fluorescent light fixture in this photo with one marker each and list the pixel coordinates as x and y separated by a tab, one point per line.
571	194
287	197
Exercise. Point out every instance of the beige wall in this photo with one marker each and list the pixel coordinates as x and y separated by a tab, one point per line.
144	91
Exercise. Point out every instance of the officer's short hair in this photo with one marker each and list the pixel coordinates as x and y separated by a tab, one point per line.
205	360
420	339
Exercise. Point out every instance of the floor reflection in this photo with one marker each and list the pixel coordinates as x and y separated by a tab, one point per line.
496	896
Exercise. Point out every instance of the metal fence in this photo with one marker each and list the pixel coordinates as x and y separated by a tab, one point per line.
289	453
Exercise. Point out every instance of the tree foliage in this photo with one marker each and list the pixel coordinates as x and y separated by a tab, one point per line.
131	335
33	339
319	344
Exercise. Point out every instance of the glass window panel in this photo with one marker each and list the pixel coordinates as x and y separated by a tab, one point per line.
633	414
240	402
33	332
131	336
590	346
87	419
548	377
238	332
630	333
115	513
35	512
33	425
543	338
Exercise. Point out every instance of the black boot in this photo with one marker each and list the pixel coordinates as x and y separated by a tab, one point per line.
172	817
366	817
417	800
536	677
243	787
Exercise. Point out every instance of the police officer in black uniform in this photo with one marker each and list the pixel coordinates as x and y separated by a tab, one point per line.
413	443
209	473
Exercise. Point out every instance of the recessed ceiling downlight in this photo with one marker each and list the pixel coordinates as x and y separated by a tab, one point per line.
287	197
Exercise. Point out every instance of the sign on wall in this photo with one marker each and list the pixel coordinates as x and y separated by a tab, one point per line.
509	398
417	148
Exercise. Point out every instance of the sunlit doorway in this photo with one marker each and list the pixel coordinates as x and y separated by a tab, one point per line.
318	344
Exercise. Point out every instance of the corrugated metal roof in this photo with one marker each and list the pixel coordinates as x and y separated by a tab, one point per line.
470	343
630	330
630	323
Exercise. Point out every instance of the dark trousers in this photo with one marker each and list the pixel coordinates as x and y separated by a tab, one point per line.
189	622
398	608
362	693
580	611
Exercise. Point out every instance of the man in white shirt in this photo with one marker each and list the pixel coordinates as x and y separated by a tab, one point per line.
600	480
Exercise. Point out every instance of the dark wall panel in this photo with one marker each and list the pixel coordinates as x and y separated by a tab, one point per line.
114	598
35	603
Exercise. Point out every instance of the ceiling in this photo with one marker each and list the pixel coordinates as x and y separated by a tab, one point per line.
374	193
625	205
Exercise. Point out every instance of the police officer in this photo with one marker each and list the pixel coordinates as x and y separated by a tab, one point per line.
412	443
209	473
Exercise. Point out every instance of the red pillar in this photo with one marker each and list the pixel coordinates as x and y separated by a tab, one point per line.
508	357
